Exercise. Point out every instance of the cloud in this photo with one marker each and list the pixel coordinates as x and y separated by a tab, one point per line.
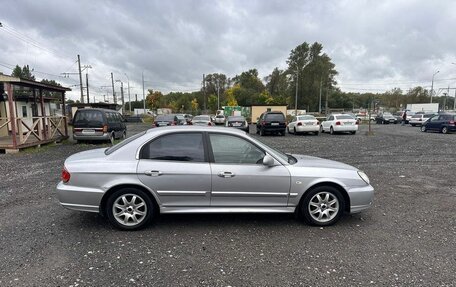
375	44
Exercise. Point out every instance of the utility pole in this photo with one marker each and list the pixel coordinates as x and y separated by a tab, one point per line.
432	86
296	95
326	104
122	97
80	79
136	97
218	94
144	95
319	102
204	92
129	100
87	85
113	91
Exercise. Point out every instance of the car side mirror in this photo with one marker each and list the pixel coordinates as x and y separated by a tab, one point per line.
268	160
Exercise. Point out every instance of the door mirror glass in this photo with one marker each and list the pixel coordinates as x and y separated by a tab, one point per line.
268	160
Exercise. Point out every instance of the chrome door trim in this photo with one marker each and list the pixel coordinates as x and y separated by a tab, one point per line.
181	193
248	193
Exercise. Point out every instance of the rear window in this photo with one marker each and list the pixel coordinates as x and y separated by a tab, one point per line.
236	119
416	116
275	117
166	118
345	117
303	118
89	117
123	143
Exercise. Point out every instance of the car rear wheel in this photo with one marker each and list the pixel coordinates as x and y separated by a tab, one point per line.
322	206
321	129
112	138
129	209
294	131
444	130
331	130
423	129
262	132
124	135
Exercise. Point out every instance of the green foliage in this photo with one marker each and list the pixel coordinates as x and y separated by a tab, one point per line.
23	73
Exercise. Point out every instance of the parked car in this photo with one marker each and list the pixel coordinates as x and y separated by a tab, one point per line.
419	119
336	123
399	116
181	120
188	118
304	124
385	118
202	120
98	125
238	122
443	123
217	170
165	120
220	119
273	122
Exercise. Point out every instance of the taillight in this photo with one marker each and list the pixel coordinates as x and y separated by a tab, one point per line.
357	122
65	175
209	124
105	129
262	123
451	123
173	123
299	124
337	123
317	123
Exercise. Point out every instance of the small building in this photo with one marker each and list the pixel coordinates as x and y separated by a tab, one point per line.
258	110
31	113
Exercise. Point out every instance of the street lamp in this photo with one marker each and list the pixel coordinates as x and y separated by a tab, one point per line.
121	95
432	85
129	100
297	83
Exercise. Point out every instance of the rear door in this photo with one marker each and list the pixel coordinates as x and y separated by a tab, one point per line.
239	177
175	167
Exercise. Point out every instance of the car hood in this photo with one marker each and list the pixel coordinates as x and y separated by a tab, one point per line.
316	162
93	154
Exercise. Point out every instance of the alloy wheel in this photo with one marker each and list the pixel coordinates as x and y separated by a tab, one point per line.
323	207
129	209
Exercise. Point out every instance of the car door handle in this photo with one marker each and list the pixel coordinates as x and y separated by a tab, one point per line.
153	173
226	174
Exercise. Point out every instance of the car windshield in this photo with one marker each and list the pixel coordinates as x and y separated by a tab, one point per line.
112	149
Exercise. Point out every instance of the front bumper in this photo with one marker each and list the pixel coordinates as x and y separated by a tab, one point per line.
360	198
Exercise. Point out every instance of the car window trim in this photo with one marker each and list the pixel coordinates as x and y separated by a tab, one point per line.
211	153
140	154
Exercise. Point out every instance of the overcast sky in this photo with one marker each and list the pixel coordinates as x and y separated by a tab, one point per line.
375	45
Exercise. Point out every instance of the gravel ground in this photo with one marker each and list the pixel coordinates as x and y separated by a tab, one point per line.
407	238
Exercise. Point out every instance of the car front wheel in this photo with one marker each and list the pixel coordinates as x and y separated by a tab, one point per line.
129	209
423	129
444	130
322	206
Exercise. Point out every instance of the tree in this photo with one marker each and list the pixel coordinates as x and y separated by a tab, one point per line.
51	94
195	105
153	99
23	73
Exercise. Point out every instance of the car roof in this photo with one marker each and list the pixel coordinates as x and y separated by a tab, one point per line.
97	109
196	129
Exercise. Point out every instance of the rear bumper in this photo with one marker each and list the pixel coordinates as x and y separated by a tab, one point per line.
305	128
79	198
103	137
351	128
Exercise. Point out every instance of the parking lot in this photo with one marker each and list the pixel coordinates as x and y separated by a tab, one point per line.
407	238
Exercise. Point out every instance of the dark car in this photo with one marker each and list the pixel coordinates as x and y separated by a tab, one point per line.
443	123
238	122
166	120
98	125
271	122
385	118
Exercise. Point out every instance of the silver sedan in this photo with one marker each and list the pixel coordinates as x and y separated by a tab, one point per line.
217	170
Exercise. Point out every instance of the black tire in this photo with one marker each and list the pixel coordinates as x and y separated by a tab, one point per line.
353	132
331	130
423	129
288	130
124	135
317	133
130	210
321	129
329	208
412	125
112	138
444	130
294	131
262	133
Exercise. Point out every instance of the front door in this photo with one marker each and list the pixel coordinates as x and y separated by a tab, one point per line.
240	179
174	166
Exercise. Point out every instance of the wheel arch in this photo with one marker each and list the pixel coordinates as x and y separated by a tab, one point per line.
115	188
335	185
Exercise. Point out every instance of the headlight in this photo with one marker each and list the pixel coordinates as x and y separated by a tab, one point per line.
363	176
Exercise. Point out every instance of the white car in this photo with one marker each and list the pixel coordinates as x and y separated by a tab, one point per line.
337	123
419	119
304	124
219	119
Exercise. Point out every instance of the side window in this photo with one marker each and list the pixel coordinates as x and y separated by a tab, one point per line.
232	149
331	118
294	119
175	147
434	119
